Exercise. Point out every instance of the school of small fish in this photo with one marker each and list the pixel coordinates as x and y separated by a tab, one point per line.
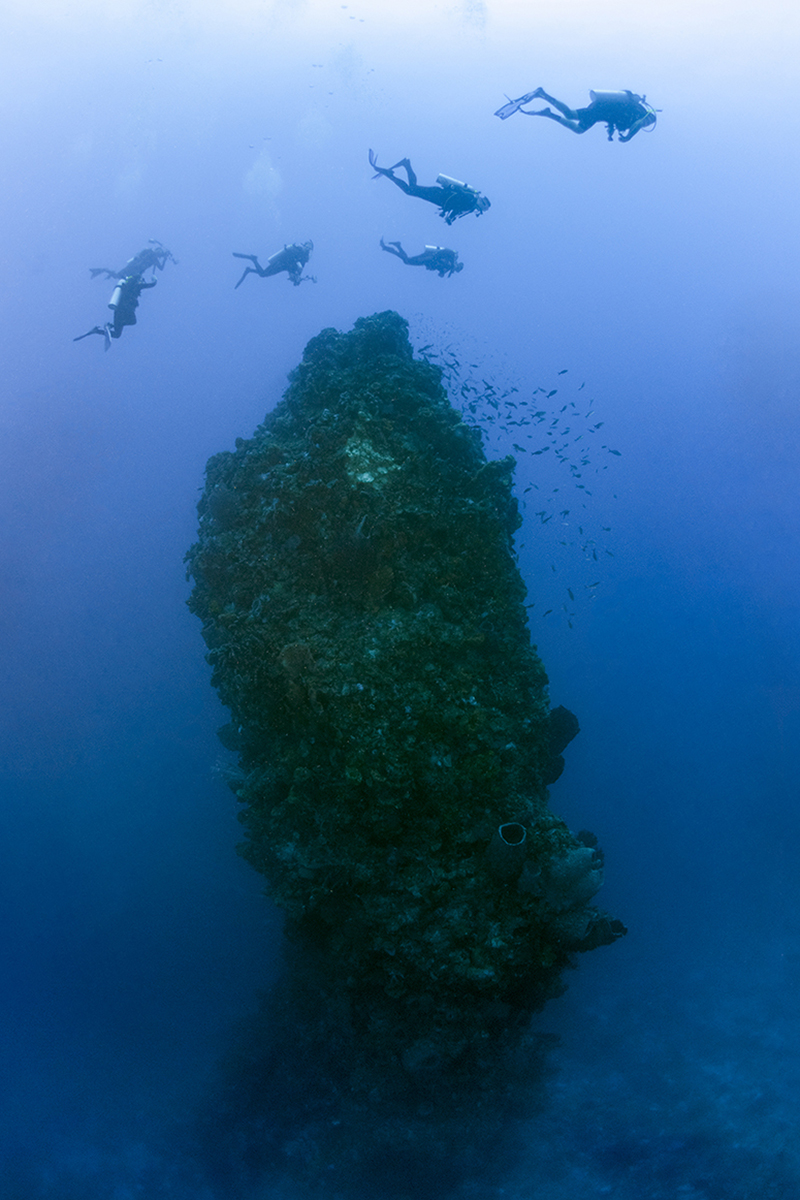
539	425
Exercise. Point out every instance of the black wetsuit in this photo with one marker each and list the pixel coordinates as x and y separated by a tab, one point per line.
453	200
290	259
433	258
155	256
131	289
124	308
613	114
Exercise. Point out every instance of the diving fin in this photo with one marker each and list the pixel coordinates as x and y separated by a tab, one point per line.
513	106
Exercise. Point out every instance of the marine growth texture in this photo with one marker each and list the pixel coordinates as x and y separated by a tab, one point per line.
364	619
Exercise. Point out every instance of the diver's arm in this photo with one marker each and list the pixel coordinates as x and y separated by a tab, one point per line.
646	119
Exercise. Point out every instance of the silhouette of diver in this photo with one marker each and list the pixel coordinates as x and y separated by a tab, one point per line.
622	111
290	259
124	302
433	258
453	198
156	258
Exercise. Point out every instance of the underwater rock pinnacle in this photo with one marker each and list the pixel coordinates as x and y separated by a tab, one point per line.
365	621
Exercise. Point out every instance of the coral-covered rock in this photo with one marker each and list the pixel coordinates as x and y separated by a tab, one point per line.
364	618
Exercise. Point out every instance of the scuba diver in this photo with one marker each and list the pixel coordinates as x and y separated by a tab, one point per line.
156	258
623	111
433	258
290	259
453	198
124	302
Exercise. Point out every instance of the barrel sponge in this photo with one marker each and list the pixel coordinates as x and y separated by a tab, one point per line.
573	879
365	623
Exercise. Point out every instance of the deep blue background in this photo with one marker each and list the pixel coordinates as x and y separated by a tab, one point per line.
662	275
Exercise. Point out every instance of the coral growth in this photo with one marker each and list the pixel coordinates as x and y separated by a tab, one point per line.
364	619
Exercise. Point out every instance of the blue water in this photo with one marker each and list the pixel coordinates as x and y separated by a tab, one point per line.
661	277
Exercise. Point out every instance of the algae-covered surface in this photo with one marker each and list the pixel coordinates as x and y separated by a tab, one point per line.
365	621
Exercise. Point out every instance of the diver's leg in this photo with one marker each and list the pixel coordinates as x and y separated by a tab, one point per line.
256	269
387	172
570	113
409	188
97	329
394	248
575	125
409	170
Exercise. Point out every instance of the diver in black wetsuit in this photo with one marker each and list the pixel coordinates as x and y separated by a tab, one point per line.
124	302
290	259
157	258
452	198
623	111
433	258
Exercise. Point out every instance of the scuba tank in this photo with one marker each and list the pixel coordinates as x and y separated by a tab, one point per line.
116	295
306	249
456	184
434	247
617	99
